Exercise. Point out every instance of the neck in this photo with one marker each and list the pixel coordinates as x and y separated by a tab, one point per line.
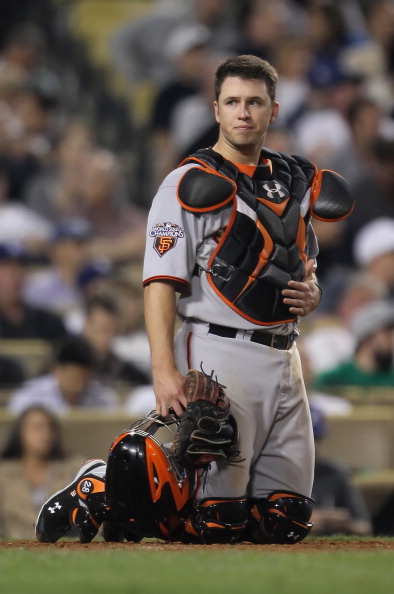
248	155
36	469
34	460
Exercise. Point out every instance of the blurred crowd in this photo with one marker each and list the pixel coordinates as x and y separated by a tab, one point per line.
79	167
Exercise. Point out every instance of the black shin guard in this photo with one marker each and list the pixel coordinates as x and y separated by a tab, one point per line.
216	521
281	518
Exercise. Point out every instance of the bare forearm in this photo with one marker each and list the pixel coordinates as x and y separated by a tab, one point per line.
303	297
160	303
160	314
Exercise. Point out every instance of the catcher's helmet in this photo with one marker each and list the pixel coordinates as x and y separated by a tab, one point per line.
145	488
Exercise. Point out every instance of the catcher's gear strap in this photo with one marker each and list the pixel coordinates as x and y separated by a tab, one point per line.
282	518
216	521
331	199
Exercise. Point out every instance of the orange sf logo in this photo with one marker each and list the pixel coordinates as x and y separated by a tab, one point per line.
164	243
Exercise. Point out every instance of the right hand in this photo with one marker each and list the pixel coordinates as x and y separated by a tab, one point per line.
169	393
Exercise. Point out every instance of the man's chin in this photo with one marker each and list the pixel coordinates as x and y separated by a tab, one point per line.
246	147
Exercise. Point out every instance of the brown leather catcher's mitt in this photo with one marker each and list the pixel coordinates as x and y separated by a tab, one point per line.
207	432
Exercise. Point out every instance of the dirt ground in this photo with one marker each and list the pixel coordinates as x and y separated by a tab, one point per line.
315	545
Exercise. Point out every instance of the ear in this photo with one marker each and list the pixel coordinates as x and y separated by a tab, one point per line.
274	112
216	109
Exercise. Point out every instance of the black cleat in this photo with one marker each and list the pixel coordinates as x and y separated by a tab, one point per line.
66	508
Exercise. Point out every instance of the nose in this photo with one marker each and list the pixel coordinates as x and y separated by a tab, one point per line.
243	111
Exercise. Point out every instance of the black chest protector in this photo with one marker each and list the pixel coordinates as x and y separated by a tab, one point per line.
263	246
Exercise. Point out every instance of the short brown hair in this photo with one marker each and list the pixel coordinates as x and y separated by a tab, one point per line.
247	67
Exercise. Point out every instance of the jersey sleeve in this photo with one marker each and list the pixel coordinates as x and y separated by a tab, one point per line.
172	238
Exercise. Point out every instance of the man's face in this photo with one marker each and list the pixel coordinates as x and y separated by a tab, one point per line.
73	380
244	111
100	328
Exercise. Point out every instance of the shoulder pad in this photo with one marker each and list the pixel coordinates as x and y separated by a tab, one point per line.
204	190
270	153
331	199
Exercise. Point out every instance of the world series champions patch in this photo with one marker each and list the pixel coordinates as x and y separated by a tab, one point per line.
165	236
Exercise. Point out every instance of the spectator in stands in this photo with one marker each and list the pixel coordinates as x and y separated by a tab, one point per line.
25	48
373	55
137	46
37	109
21	151
187	48
118	227
54	193
56	286
377	180
131	341
17	318
380	184
372	363
329	341
99	329
322	129
19	223
356	159
327	403
34	105
261	24
292	58
339	505
32	466
70	383
374	250
193	123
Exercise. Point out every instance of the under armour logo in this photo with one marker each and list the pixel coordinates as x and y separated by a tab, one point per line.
55	507
293	536
276	190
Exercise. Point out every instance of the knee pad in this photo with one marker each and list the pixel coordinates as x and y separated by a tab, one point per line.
281	518
216	521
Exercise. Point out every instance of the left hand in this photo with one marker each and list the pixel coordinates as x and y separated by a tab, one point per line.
302	297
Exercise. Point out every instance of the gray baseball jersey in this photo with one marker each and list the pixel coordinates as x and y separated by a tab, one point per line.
264	384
